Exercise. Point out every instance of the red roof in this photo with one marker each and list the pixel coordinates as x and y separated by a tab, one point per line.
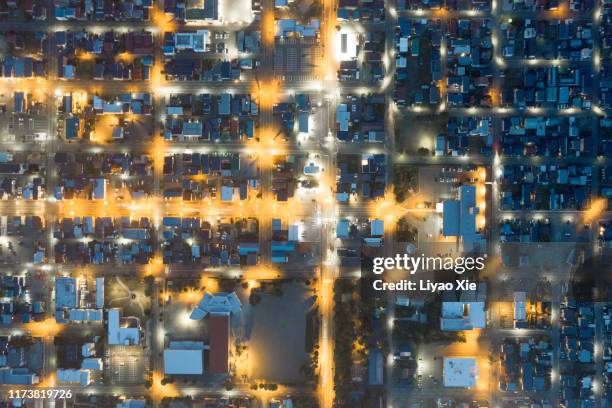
218	327
139	42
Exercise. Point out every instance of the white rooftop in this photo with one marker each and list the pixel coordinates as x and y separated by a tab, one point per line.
118	335
463	315
520	305
220	304
74	376
183	362
460	372
92	364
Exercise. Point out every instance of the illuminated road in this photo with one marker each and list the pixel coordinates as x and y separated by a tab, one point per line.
111	87
328	211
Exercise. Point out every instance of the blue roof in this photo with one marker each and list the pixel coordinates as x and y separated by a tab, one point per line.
375	367
65	292
183	361
377	227
246	248
459	216
171	221
342	229
278	246
303	121
224	104
278	258
18	99
99	192
450	225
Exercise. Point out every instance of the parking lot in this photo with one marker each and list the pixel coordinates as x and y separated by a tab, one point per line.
127	364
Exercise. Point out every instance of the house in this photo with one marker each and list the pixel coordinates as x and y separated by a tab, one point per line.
66	293
520	306
285	27
196	42
92	364
375	367
303	118
99	190
342	229
17	376
210	12
81	377
71	128
377	228
192	130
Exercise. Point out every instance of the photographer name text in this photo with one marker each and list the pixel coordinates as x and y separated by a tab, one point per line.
424	285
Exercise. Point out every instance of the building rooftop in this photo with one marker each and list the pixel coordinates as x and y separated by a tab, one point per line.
66	292
520	306
460	372
184	358
218	304
17	376
119	333
459	217
463	316
218	326
74	376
